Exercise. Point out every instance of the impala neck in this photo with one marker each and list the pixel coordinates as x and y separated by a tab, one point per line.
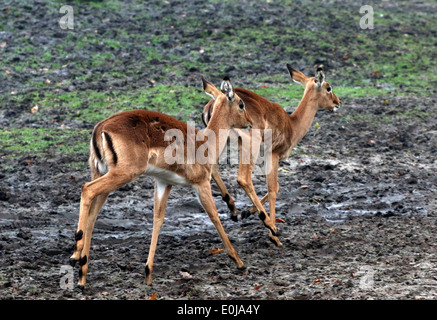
220	128
303	116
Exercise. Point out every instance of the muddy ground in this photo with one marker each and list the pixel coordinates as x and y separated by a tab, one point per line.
357	200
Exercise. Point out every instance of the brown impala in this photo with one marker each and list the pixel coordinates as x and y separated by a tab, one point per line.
131	143
287	131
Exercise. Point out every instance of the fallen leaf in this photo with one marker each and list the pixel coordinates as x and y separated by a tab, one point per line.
257	287
332	230
34	109
185	275
280	220
285	170
264	86
317	280
216	250
154	296
3	44
315	236
304	187
8	72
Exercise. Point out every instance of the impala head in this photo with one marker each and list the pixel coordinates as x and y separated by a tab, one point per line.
317	88
226	104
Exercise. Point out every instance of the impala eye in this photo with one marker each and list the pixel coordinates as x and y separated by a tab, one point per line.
328	89
241	105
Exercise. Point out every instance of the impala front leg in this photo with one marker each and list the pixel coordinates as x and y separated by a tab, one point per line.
205	197
273	187
245	181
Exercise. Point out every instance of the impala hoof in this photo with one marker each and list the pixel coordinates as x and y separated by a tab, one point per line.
273	233
234	218
245	214
275	241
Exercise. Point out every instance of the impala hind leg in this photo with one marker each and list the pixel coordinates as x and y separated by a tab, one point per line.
162	191
205	197
84	218
93	196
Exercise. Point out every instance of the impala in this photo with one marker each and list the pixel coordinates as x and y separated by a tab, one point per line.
287	131
131	143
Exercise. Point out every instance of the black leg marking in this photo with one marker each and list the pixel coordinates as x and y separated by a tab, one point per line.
262	215
234	217
273	241
276	234
147	271
78	235
83	260
226	198
73	262
231	207
80	273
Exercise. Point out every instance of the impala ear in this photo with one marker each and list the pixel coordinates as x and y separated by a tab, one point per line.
227	89
320	77
210	89
297	76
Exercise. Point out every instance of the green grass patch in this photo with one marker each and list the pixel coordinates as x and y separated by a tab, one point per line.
92	106
37	141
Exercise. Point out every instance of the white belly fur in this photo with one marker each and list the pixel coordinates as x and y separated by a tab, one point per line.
166	176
